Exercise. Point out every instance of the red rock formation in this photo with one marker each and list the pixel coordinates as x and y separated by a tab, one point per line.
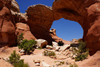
56	38
86	13
40	19
7	28
93	61
24	28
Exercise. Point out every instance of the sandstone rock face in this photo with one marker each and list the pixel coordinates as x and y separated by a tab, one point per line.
40	19
7	28
64	47
24	28
14	6
93	61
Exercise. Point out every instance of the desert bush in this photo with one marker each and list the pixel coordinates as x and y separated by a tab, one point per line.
61	63
20	38
21	64
81	56
73	65
60	43
14	59
81	51
27	45
48	53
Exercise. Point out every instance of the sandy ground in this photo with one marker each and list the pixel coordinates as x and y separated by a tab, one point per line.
93	61
37	54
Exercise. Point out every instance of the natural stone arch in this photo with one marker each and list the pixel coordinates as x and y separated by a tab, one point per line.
85	12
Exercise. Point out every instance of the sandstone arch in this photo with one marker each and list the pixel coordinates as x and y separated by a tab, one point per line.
85	12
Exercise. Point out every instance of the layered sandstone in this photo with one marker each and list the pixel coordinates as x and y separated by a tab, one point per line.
24	28
7	25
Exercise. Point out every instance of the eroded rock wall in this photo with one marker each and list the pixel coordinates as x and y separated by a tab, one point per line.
7	26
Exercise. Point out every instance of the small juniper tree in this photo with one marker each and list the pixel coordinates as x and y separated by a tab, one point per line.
14	58
21	64
60	43
20	38
27	45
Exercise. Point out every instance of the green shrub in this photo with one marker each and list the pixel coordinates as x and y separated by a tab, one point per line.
20	64
61	63
60	43
27	45
20	38
73	65
81	56
82	52
48	53
14	58
40	48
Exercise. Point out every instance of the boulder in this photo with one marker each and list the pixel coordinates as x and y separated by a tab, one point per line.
49	47
37	64
22	51
64	47
41	43
57	48
55	44
45	64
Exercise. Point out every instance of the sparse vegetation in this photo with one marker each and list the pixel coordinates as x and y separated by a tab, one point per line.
81	56
21	64
48	53
14	59
27	45
61	63
40	48
73	65
20	38
60	43
81	51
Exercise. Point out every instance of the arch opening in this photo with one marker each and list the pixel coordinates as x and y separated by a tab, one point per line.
67	29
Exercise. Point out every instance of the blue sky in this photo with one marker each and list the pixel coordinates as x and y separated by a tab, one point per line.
65	29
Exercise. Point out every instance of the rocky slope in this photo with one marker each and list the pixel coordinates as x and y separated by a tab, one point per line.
56	38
